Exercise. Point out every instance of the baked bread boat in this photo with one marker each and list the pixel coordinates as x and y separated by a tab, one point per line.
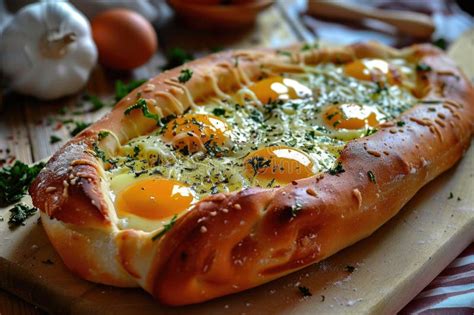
244	166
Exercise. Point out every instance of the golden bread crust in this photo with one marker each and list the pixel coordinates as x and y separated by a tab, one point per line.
231	242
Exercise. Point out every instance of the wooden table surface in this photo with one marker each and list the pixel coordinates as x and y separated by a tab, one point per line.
26	124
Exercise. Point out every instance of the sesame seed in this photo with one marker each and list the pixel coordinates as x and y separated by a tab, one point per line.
310	191
374	153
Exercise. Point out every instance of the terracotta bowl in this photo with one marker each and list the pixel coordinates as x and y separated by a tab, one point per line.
213	15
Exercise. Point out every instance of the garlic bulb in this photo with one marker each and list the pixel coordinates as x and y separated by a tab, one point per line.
47	50
5	16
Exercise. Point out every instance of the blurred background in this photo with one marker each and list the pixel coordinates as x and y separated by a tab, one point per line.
181	30
202	26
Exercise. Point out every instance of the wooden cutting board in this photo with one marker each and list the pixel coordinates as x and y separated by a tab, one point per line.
391	266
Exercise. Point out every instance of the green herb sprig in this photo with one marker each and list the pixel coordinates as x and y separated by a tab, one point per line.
78	127
337	169
257	163
166	228
19	213
310	46
141	105
423	67
96	102
122	89
371	176
102	134
54	139
185	75
218	111
15	180
98	152
176	57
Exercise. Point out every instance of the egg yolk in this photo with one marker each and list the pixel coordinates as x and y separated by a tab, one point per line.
154	198
279	88
197	132
372	70
284	164
350	116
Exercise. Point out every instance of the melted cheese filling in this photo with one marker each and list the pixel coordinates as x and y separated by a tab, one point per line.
275	131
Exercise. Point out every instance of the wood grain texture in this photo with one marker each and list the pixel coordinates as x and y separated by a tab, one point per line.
14	135
10	304
462	51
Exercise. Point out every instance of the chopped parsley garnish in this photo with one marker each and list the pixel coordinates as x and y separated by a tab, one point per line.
122	89
184	150
218	111
330	116
257	163
292	142
400	123
166	228
337	169
297	207
308	46
98	152
304	291
371	177
19	213
141	105
451	196
54	139
102	134
441	43
349	269
213	149
62	111
185	75
15	180
95	101
78	127
310	135
284	53
270	184
423	67
136	151
370	131
256	116
176	57
380	88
